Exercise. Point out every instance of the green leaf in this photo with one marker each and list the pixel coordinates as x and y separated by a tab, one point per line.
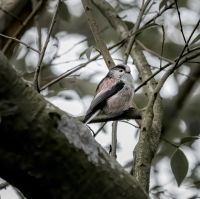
63	11
179	166
197	38
189	139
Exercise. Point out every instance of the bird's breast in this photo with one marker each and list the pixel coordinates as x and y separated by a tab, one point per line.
120	101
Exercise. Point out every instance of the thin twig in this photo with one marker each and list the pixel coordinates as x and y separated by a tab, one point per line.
170	143
169	64
124	121
179	17
151	77
93	133
159	14
38	68
68	72
99	130
163	42
153	52
95	30
135	28
138	30
76	68
36	19
118	48
178	63
68	50
179	73
21	42
114	139
8	43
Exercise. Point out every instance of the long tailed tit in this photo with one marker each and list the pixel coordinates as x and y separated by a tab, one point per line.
114	94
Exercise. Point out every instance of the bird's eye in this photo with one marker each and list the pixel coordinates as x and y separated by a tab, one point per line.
121	71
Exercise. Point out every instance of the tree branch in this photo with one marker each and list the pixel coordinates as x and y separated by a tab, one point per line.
131	113
39	65
95	30
44	148
114	140
135	28
193	53
8	43
76	68
21	42
178	63
179	17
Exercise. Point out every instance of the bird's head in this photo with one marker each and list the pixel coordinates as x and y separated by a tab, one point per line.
119	70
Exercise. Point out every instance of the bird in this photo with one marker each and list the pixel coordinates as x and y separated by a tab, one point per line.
114	93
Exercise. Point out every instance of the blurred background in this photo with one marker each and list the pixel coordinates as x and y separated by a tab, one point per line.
72	46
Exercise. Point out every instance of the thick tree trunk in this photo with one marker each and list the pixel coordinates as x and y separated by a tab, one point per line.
47	154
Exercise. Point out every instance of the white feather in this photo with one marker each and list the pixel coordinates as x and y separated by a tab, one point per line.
92	116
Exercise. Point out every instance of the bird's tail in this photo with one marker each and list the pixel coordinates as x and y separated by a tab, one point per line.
88	118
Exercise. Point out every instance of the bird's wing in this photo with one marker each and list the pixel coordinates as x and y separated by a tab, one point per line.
100	99
105	83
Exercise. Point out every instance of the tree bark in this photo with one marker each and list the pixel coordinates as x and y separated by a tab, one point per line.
48	154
